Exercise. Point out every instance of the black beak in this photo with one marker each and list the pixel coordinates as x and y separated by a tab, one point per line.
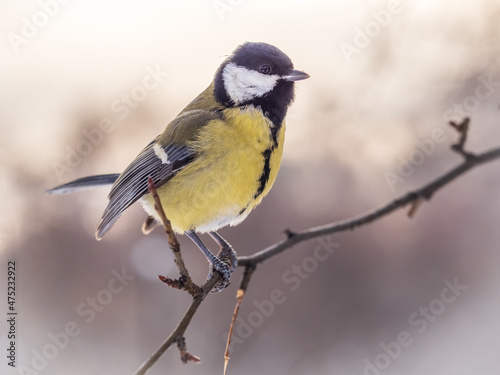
296	75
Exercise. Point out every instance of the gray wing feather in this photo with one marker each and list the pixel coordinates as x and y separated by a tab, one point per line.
132	183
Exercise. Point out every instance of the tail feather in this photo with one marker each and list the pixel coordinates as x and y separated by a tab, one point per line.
85	183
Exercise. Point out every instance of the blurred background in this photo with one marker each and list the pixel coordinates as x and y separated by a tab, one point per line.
84	86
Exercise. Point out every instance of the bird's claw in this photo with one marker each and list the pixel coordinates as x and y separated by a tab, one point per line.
225	265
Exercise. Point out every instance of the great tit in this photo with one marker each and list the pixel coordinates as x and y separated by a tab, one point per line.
217	159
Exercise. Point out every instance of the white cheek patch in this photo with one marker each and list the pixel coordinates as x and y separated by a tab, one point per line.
161	154
242	84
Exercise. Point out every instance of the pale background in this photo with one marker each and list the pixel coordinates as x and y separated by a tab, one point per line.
352	123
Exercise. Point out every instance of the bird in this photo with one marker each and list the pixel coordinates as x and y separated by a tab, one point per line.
216	160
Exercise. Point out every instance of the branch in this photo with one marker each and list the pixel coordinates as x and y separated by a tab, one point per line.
415	198
184	282
463	130
182	326
247	275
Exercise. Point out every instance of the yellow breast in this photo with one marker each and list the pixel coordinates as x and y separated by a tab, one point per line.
219	187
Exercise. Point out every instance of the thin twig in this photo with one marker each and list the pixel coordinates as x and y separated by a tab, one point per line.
463	130
183	324
184	282
247	274
185	356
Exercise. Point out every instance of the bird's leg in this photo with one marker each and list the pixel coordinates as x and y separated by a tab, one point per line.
227	255
223	268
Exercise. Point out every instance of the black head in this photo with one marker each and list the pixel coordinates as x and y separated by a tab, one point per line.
258	74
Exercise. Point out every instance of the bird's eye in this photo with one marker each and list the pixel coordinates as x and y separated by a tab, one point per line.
265	69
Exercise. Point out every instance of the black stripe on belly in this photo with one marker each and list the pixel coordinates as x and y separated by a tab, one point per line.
264	177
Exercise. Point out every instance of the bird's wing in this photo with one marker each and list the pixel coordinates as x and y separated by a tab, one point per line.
165	156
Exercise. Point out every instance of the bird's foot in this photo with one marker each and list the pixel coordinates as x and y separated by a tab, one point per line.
225	264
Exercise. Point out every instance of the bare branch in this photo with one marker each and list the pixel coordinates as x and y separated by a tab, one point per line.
184	282
185	356
424	193
182	326
415	199
247	275
463	130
